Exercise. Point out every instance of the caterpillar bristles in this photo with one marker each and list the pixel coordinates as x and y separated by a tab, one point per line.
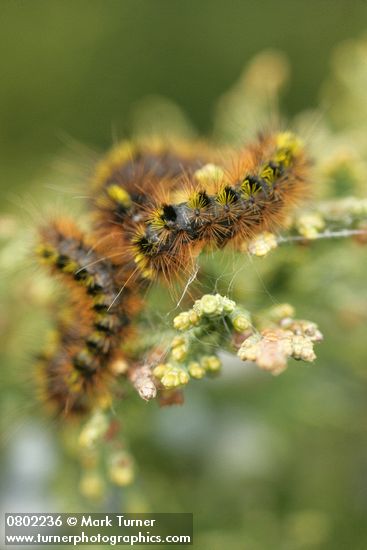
76	371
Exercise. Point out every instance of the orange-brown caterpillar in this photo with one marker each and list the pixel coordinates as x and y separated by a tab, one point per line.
76	372
154	209
252	193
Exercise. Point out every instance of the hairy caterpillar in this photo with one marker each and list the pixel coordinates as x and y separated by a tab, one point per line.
251	193
154	209
77	371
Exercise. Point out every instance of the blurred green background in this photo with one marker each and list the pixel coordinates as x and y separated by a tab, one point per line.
75	68
262	462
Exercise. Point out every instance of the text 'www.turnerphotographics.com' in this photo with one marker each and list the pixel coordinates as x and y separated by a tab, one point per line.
93	529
